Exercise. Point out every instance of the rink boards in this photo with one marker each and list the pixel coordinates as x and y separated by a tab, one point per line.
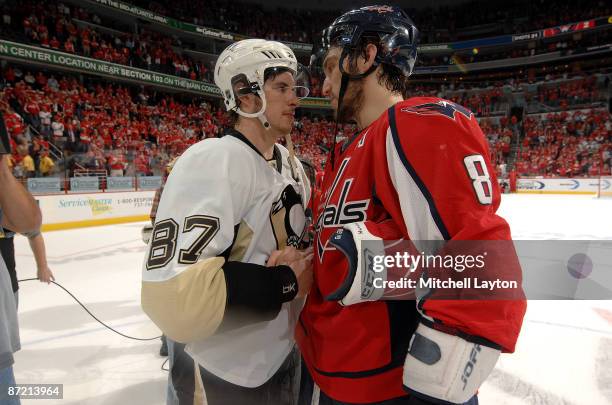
66	211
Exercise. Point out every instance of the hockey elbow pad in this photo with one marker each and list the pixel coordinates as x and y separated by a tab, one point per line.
358	285
444	368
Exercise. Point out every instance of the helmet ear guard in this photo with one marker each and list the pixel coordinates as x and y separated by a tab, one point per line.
242	87
399	49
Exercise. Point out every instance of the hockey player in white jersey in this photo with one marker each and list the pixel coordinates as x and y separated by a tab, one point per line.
227	205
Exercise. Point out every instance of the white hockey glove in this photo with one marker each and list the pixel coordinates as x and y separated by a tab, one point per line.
444	368
358	285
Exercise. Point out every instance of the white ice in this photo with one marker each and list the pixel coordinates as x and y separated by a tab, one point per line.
564	353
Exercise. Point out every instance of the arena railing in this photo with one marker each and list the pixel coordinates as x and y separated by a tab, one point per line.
89	182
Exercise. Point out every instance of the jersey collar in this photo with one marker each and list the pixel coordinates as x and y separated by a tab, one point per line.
276	155
347	142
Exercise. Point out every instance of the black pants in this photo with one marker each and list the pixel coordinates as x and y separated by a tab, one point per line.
281	389
308	391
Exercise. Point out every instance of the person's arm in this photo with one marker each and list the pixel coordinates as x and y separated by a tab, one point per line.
435	180
37	244
190	287
21	213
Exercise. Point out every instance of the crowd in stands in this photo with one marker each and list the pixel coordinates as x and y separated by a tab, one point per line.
108	128
566	94
99	126
486	98
129	131
567	144
436	24
566	46
60	124
54	25
313	137
250	19
452	22
500	134
482	102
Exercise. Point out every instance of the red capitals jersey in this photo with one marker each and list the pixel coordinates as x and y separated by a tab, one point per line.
421	171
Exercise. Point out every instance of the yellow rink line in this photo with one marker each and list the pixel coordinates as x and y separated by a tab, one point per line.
93	222
555	192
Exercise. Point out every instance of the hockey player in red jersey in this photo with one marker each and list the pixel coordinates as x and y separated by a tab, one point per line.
418	169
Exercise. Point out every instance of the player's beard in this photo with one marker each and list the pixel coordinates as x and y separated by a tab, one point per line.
351	102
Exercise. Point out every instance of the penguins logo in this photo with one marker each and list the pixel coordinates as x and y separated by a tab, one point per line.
287	218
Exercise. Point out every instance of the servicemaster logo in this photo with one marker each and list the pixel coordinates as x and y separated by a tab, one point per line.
98	206
101	206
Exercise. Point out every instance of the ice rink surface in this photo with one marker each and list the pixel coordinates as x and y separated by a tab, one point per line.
563	356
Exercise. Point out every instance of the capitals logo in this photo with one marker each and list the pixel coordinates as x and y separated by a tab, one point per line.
441	107
343	211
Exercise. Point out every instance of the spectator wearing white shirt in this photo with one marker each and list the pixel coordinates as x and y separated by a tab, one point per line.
57	127
53	84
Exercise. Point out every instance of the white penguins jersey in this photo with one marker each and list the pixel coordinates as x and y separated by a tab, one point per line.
223	210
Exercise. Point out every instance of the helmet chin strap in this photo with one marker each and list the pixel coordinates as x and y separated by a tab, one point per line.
343	86
264	121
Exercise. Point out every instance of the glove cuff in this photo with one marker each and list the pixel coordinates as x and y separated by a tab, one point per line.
444	368
359	246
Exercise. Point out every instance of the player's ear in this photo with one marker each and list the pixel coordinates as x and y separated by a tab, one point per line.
247	103
244	99
367	59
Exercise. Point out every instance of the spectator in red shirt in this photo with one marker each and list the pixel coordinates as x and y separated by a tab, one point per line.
54	43
69	46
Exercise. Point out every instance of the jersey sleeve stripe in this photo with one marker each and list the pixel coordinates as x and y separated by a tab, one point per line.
421	216
411	189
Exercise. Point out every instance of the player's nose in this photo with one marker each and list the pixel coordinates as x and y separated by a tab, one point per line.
293	100
326	89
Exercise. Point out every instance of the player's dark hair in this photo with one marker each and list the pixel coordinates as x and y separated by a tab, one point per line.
389	76
232	118
271	73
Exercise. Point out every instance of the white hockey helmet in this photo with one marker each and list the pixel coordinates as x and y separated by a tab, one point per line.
246	61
